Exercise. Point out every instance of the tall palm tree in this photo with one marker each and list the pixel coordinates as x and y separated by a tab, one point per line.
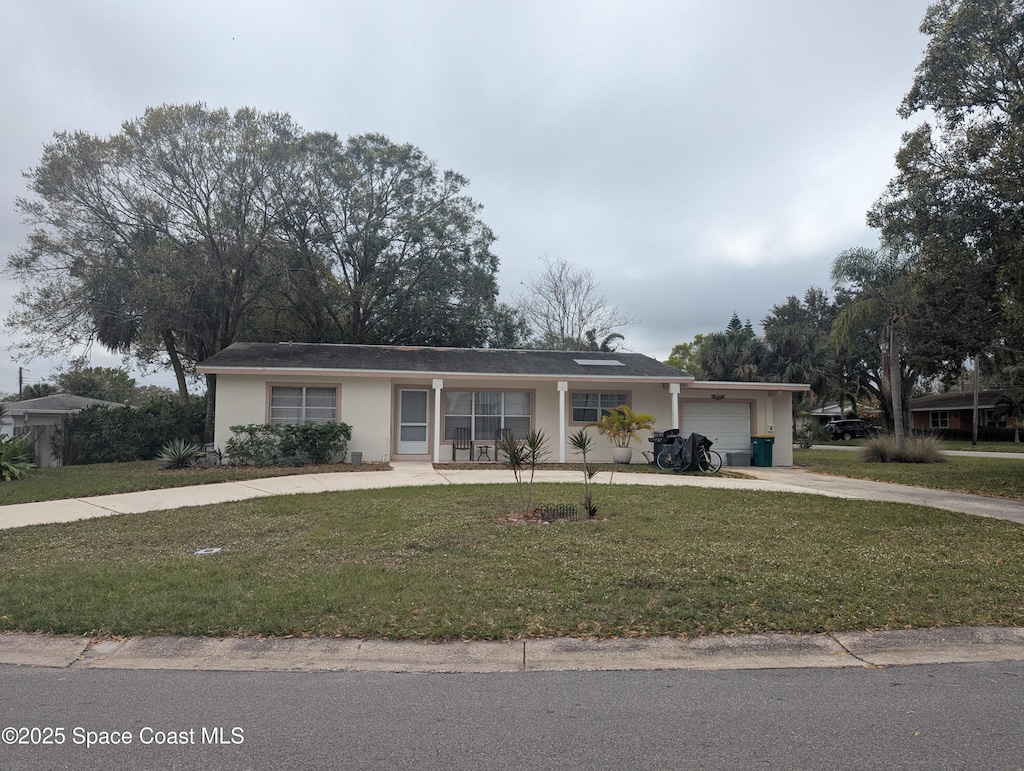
879	280
800	353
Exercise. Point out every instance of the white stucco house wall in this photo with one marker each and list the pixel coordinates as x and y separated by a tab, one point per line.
404	403
36	419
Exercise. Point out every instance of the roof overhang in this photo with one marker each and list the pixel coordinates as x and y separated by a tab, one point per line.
778	389
589	377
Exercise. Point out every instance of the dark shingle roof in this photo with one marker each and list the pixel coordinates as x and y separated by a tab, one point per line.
986	399
57	403
439	361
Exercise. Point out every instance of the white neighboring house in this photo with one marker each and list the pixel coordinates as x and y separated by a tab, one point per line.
35	420
406	402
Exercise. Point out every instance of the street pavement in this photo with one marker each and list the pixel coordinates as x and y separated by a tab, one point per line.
854	649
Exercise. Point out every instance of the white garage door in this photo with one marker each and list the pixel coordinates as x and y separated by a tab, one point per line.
726	425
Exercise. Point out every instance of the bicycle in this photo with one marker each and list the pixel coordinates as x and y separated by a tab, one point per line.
708	461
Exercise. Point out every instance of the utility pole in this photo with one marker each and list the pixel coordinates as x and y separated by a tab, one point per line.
21	382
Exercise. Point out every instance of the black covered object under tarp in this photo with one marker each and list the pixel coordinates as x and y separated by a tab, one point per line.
685	454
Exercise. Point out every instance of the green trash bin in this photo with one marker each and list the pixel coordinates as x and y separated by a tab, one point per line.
762	446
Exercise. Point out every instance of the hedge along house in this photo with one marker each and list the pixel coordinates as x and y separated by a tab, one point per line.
405	403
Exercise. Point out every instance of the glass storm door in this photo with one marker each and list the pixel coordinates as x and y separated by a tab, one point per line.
412	422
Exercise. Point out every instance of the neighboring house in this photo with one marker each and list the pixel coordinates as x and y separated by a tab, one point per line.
35	420
827	413
956	411
404	403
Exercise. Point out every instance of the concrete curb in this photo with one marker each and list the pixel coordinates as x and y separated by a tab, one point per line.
715	652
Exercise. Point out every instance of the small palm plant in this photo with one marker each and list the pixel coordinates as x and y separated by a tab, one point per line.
523	455
622	425
583	443
1011	406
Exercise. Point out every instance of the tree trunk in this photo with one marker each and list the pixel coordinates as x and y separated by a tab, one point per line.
896	385
211	407
179	376
977	395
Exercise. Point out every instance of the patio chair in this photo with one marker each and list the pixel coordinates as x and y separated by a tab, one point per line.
500	437
462	441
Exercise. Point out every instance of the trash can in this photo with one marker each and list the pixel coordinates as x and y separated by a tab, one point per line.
762	447
737	458
357	459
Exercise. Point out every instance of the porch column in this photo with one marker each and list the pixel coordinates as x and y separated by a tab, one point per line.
438	385
563	386
673	390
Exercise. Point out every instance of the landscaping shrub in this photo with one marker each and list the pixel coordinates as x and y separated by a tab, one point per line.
916	449
922	449
180	453
15	459
985	434
102	434
258	444
812	434
879	449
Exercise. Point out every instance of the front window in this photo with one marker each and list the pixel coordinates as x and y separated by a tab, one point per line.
940	420
589	407
484	412
299	404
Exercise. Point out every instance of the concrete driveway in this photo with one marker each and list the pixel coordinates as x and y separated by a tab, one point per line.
411	474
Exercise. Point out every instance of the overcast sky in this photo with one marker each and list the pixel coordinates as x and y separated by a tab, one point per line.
700	156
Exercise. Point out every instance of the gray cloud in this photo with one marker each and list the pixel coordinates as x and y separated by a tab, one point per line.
699	157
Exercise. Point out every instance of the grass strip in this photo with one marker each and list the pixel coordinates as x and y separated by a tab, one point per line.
51	484
440	563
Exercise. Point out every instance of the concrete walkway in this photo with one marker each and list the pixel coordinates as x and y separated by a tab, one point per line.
409	474
854	649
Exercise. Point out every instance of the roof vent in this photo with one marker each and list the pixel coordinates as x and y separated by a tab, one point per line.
599	363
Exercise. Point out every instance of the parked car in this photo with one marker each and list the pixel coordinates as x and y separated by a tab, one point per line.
848	429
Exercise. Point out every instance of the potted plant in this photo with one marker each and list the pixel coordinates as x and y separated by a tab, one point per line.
621	425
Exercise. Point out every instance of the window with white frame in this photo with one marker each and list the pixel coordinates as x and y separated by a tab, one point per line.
589	407
484	412
940	420
299	404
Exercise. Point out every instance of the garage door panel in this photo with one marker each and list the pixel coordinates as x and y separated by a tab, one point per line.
726	425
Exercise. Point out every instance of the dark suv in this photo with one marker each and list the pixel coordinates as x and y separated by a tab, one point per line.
848	429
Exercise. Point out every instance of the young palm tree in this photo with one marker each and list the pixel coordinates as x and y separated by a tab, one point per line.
1011	405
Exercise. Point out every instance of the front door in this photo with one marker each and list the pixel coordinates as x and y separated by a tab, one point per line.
413	436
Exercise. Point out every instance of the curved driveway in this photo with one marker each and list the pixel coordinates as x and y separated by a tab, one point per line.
408	474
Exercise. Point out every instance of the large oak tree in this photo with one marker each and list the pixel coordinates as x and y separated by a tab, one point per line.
193	228
958	197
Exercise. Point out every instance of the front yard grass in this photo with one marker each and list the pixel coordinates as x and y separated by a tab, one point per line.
51	484
998	477
439	563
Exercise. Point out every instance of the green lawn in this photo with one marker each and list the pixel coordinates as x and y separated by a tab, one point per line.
50	484
999	477
442	563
